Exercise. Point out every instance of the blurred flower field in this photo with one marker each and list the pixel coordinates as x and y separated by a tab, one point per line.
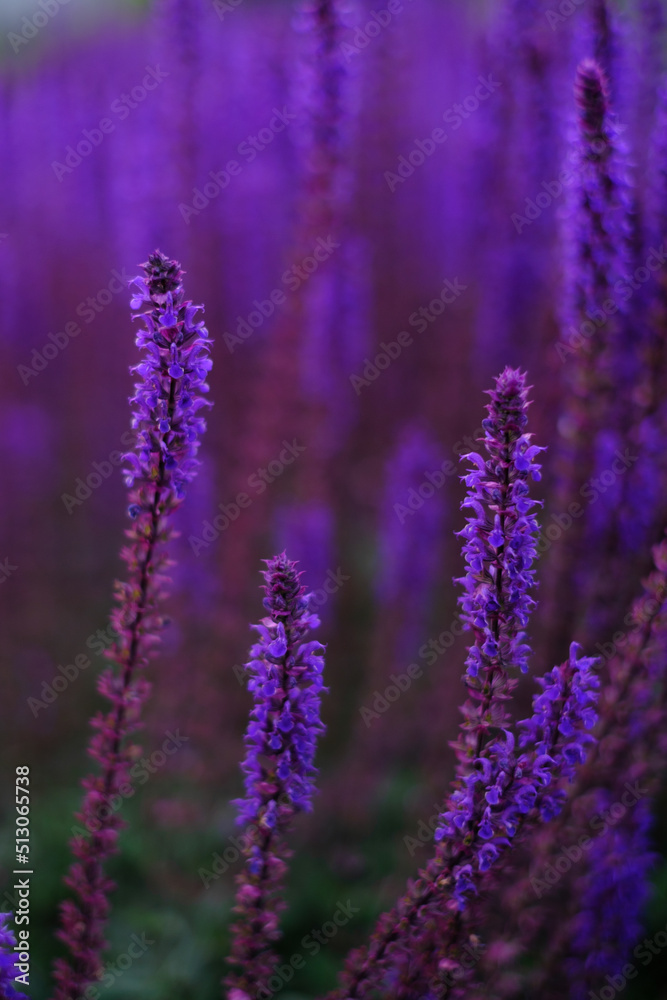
385	214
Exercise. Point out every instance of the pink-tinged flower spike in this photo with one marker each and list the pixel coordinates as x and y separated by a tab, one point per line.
8	962
286	681
168	423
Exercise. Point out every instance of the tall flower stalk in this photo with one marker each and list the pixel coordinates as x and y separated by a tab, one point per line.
595	350
168	422
499	550
512	789
590	918
517	785
286	681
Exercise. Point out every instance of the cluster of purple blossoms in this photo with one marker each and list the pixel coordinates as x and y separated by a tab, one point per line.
285	677
512	790
499	549
8	961
548	773
600	905
504	785
169	397
168	424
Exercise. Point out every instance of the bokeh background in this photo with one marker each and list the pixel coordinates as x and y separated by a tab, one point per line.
74	227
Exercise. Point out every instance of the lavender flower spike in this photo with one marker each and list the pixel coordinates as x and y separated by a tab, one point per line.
286	681
500	539
8	962
168	424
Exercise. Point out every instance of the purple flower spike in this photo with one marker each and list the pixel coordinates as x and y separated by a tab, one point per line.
285	676
499	548
8	961
168	424
516	780
598	232
510	790
169	397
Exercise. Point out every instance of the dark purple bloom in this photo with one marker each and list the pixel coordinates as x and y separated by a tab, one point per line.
611	896
597	348
598	223
602	41
321	91
286	681
168	424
